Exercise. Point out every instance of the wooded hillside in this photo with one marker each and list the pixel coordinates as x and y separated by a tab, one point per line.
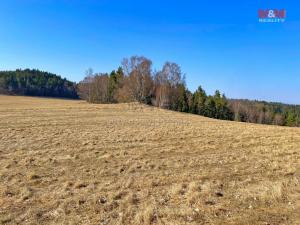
36	83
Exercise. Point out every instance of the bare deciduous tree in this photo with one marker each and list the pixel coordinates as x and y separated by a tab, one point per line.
94	87
84	86
138	72
167	83
99	89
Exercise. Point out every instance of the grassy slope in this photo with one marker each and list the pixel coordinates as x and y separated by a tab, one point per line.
69	162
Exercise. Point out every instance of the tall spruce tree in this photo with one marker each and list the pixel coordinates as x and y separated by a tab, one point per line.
199	99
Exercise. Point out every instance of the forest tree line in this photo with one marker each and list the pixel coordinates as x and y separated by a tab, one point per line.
265	112
36	83
135	80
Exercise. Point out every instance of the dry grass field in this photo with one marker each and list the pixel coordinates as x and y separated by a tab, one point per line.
70	162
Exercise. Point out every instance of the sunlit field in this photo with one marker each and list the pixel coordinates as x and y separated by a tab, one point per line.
70	162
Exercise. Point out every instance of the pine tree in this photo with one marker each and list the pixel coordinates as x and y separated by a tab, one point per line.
210	107
112	86
199	99
290	119
182	99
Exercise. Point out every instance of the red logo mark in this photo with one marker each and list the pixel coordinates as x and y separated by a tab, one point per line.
272	14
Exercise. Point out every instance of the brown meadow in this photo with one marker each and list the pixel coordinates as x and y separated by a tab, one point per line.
70	162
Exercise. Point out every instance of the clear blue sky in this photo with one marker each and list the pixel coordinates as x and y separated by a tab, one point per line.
219	44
